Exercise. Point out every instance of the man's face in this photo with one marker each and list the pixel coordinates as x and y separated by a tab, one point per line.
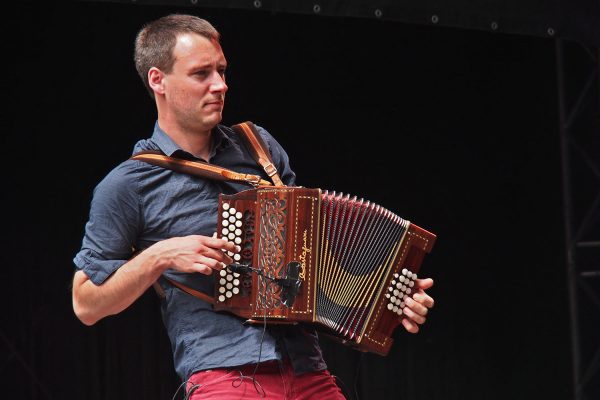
195	88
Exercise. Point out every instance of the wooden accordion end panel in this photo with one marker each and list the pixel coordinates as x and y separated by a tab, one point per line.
341	263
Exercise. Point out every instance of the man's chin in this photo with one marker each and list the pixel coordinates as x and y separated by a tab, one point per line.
212	120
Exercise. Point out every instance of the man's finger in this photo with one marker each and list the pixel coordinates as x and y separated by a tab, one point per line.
410	326
424	283
424	299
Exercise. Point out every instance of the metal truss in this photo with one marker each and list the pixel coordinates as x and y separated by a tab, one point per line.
578	73
32	388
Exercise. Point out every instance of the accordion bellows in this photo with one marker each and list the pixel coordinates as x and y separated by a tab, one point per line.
341	263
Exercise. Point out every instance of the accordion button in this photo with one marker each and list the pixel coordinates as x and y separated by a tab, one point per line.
221	290
399	312
232	210
222	281
238	215
225	214
228	295
408	291
390	306
229	286
232	219
237	240
225	222
404	271
414	277
229	278
237	257
393	299
236	282
221	298
224	231
238	232
225	206
222	272
238	223
411	284
235	290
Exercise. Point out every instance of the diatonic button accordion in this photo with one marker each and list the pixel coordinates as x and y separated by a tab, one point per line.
341	263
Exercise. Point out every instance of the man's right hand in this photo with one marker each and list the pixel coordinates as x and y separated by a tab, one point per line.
194	253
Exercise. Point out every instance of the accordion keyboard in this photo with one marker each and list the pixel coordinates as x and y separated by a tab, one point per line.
229	282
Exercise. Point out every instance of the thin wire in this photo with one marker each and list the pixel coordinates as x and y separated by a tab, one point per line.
192	389
257	386
178	389
357	374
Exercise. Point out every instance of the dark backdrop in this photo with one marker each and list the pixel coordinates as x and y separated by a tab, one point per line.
453	129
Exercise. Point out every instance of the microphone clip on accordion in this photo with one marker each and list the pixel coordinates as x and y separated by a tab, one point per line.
343	264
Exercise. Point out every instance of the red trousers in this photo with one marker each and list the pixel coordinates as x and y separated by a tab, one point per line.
272	381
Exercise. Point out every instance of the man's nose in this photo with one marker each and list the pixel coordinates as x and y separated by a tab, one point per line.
218	83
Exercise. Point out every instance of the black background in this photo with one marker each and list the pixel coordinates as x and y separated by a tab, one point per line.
455	130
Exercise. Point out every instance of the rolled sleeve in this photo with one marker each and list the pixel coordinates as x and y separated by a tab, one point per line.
112	228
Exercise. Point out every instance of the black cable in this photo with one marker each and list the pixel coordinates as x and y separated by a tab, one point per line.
257	386
357	374
342	385
178	389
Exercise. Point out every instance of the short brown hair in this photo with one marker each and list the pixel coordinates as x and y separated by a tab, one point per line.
155	42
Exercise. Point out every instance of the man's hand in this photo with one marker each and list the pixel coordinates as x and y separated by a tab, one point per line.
417	307
195	253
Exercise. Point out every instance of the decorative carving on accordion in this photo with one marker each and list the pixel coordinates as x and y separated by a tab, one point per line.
271	248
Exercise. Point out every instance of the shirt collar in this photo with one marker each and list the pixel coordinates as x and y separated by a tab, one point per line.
220	139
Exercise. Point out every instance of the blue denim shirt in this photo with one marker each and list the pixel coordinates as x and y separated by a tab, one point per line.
138	204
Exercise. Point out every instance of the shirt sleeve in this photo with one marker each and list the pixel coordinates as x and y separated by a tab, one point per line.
280	158
112	226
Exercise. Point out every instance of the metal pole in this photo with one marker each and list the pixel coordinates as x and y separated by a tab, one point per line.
568	219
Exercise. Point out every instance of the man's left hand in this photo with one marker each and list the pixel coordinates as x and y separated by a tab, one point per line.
417	307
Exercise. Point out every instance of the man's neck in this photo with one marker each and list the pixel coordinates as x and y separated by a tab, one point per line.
196	142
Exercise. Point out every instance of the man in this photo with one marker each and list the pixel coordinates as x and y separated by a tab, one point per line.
171	216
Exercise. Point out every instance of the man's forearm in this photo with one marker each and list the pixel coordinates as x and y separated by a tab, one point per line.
93	302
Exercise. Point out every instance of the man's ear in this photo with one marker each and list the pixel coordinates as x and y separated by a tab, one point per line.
156	80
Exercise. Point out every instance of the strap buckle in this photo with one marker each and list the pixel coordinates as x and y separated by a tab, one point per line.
270	169
254	180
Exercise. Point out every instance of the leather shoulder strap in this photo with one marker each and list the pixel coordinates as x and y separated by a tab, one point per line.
198	168
258	149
